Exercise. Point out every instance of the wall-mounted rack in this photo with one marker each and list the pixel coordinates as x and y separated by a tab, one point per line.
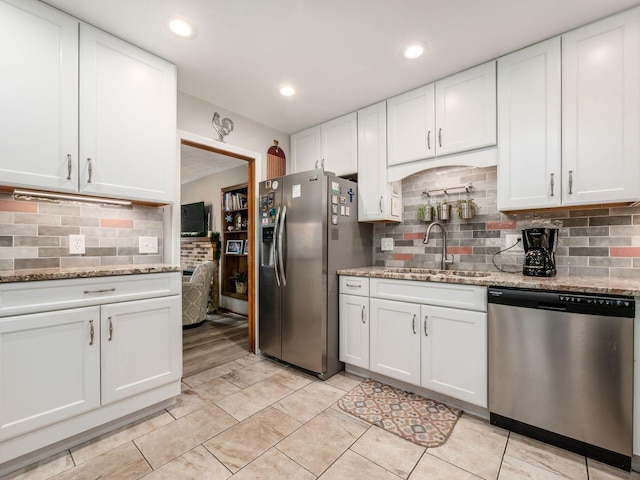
468	187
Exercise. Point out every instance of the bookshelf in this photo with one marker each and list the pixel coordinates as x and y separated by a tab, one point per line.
235	218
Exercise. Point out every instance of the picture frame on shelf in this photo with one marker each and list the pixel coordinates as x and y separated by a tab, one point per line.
234	247
245	250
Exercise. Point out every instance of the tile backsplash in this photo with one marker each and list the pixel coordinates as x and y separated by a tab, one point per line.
598	241
35	234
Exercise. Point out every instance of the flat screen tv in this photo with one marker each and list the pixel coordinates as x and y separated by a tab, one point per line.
193	218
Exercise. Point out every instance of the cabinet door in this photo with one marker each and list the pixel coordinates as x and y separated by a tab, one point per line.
49	368
529	128
377	199
306	150
340	145
354	330
411	125
127	118
601	111
454	353
39	97
141	346
395	340
466	110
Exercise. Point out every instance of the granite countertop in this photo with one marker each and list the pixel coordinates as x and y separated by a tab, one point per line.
83	272
608	286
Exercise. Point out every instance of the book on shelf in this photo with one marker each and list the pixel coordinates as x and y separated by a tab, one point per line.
235	201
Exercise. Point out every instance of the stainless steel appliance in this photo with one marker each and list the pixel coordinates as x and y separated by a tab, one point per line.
308	229
561	370
539	251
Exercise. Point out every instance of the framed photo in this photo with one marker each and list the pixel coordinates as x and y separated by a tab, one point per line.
234	247
245	250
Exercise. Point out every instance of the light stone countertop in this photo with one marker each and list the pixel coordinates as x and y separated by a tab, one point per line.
602	285
83	272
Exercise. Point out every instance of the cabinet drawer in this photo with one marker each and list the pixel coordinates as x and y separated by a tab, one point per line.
354	285
468	297
40	296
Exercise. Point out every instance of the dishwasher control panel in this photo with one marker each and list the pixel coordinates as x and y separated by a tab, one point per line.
606	301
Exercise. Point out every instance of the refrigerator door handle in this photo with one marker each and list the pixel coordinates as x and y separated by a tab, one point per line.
280	265
276	260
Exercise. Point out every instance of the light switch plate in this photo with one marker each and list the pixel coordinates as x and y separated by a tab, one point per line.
148	244
76	244
386	244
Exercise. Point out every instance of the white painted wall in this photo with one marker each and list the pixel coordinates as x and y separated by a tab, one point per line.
194	116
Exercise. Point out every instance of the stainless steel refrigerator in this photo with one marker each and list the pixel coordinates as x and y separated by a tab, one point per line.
308	229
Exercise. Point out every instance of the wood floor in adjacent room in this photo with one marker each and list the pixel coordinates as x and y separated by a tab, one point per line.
221	339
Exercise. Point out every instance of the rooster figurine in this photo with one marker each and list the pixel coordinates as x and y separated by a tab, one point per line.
223	128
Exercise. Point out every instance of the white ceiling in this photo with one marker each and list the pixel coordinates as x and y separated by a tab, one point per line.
339	55
196	163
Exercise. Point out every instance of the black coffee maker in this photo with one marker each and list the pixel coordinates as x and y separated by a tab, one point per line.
539	251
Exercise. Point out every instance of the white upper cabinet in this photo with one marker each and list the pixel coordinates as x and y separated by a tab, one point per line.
126	99
332	146
529	106
127	120
466	110
306	150
601	111
411	126
39	96
456	114
378	200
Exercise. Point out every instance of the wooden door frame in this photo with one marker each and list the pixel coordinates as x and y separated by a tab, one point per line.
254	165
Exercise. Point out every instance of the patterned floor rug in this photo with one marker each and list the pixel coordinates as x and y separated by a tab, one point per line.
410	416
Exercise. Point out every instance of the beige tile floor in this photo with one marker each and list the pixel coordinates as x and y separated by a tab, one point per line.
255	419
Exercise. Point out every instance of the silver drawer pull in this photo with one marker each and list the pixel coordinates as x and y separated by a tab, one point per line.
353	286
91	332
110	329
100	291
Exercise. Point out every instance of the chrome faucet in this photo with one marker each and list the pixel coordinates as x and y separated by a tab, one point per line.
444	261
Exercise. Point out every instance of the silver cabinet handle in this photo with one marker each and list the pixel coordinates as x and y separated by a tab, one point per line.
362	315
380	203
425	325
69	166
316	167
440	137
552	184
110	329
91	332
322	163
570	182
353	285
100	291
90	170
413	325
429	140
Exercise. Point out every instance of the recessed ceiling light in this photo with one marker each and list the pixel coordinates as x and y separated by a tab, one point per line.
413	51
287	91
181	27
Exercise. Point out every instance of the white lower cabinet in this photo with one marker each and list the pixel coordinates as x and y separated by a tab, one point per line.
68	370
454	353
49	368
354	330
441	346
130	328
395	340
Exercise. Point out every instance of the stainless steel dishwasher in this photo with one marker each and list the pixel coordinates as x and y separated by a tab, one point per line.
561	370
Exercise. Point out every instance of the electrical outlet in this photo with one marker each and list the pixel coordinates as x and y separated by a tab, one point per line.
148	244
76	244
386	244
512	239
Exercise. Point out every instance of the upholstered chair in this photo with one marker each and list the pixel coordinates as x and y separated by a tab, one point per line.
195	294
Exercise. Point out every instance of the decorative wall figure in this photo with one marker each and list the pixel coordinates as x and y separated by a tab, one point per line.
224	127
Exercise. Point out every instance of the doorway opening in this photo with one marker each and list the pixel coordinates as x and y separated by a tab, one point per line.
209	170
